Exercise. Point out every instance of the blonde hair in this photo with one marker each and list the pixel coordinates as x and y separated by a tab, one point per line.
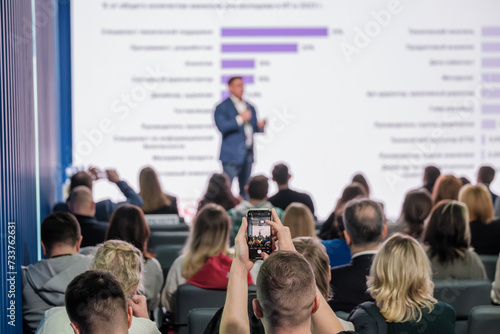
299	220
400	280
150	190
209	237
478	201
122	260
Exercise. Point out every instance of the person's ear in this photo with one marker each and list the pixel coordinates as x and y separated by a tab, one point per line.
44	249
130	313
347	237
75	327
316	303
329	275
70	207
289	176
384	231
257	310
78	244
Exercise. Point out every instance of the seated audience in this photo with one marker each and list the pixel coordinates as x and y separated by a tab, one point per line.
315	254
416	208
125	262
431	174
44	283
219	192
446	187
155	200
299	220
285	196
128	224
95	304
288	300
464	180
484	230
360	178
400	282
205	260
495	291
485	175
82	206
257	189
104	208
364	231
447	237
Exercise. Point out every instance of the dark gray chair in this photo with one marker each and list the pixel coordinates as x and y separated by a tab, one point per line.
490	264
463	295
484	320
169	228
158	238
166	255
199	318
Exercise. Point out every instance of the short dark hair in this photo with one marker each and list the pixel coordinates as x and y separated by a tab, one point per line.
60	227
416	208
95	298
258	187
232	79
431	173
280	174
81	179
486	174
364	221
360	178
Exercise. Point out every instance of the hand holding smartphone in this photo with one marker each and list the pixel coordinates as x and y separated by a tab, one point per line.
259	234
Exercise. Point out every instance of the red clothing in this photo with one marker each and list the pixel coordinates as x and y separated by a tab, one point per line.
215	273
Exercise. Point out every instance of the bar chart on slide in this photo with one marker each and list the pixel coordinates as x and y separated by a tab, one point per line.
258	46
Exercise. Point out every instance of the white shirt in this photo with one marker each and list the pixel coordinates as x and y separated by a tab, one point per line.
242	106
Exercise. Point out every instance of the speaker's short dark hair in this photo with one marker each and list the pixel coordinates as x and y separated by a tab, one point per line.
258	187
81	179
232	79
280	174
60	227
486	174
95	298
364	221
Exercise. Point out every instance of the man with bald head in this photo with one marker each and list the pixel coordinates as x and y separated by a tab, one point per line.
82	206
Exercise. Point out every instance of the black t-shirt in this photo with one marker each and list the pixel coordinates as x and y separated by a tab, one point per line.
286	196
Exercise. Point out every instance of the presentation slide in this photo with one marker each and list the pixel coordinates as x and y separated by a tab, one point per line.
379	87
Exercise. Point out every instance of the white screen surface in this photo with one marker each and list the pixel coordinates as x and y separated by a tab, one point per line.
385	88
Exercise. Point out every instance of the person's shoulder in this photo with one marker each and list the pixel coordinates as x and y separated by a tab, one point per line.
143	326
444	309
223	104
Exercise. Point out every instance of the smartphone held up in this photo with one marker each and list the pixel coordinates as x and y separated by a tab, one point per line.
259	234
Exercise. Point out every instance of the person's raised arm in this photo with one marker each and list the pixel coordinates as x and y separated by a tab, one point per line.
235	314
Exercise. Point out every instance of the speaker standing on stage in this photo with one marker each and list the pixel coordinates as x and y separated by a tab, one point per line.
237	121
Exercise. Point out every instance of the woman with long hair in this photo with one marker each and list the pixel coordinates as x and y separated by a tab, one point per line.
206	259
400	282
416	208
299	220
446	187
219	192
127	223
155	201
447	237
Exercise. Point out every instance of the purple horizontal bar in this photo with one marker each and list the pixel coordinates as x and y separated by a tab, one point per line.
259	47
225	94
491	109
248	79
489	124
491	93
491	77
491	62
491	31
238	63
491	47
271	32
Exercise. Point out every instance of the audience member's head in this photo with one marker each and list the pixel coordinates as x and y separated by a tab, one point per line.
464	180
127	223
416	208
280	174
218	192
400	280
60	234
360	178
447	233
122	260
95	303
315	254
81	201
258	188
150	190
431	174
478	201
364	224
81	179
485	175
446	187
209	237
299	220
286	291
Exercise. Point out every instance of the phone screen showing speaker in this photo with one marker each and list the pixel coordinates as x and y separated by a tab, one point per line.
259	234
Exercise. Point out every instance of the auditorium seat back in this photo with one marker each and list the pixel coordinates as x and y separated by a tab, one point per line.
484	320
158	238
199	318
166	255
490	264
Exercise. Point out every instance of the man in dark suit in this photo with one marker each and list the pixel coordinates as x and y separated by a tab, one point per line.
364	231
237	121
82	206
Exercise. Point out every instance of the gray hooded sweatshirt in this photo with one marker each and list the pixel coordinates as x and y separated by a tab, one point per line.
45	282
